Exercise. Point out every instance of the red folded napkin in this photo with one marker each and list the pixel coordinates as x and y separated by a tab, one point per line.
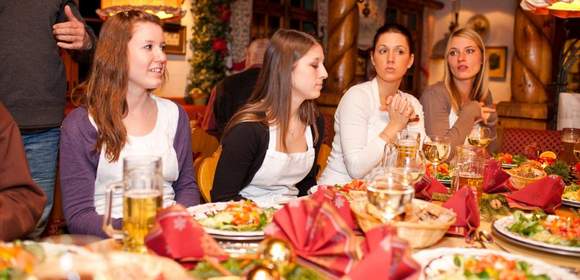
386	257
428	185
178	236
339	202
318	234
464	204
495	179
545	194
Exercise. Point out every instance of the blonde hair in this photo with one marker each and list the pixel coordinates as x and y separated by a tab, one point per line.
479	91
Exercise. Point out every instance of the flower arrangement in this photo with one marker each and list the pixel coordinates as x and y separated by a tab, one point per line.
209	43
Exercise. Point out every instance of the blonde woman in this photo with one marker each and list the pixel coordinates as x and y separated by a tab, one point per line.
453	106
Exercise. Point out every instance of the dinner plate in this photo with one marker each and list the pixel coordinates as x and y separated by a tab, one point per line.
500	227
571	203
201	211
441	259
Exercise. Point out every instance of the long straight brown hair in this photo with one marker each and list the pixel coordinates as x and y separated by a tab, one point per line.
270	101
479	91
106	88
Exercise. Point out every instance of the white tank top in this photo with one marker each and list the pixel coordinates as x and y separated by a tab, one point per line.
275	181
158	142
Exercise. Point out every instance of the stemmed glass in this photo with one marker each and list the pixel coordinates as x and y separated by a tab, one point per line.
389	194
480	136
436	150
390	186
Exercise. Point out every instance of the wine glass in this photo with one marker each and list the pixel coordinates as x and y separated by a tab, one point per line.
390	193
436	150
411	167
480	136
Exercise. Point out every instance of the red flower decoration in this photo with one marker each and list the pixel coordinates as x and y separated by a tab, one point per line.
219	45
224	13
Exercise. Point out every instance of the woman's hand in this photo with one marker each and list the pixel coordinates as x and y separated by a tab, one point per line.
485	112
400	111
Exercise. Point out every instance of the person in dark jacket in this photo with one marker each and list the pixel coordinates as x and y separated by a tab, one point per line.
233	91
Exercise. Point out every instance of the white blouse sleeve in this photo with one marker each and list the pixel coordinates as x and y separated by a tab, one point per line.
353	115
419	126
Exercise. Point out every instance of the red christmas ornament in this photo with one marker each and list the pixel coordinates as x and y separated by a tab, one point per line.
224	13
219	45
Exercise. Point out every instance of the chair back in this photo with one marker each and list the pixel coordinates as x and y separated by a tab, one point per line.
202	143
323	154
206	174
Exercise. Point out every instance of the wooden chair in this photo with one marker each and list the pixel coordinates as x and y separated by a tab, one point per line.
206	174
202	145
323	154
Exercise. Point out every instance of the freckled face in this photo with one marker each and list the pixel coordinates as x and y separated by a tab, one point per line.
392	57
308	74
146	57
464	58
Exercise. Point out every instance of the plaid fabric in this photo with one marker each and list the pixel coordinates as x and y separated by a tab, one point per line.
515	140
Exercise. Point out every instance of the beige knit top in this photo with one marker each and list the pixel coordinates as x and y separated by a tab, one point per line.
437	108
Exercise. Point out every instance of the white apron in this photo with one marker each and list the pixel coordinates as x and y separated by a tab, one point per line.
275	181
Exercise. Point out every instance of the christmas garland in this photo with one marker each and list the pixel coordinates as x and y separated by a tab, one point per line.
210	34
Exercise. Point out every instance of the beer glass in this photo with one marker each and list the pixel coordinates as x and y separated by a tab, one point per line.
468	166
568	138
142	190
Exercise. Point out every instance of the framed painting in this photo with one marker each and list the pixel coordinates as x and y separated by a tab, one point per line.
496	62
174	38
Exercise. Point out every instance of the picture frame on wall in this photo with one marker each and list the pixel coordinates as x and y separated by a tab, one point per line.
174	38
496	62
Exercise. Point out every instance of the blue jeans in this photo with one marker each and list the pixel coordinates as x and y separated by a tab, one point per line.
42	154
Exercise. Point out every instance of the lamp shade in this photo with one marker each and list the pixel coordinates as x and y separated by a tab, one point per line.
560	8
164	9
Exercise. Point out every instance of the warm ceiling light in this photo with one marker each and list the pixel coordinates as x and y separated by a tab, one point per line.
164	9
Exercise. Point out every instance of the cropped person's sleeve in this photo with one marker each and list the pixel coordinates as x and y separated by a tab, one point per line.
240	149
310	180
185	187
21	200
436	107
78	168
353	116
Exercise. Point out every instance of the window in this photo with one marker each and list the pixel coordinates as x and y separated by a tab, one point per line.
270	15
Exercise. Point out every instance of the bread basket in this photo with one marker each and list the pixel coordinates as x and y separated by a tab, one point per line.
419	233
533	173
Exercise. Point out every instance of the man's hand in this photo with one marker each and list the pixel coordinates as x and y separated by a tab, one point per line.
71	35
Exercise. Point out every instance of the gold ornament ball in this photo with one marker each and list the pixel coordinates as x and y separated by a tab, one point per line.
277	251
261	272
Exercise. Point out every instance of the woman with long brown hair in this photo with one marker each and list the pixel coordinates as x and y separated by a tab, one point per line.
270	144
462	100
119	117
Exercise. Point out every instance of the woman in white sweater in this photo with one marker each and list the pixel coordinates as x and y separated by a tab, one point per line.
371	114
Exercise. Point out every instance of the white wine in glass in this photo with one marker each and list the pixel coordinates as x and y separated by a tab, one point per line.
479	136
436	150
390	198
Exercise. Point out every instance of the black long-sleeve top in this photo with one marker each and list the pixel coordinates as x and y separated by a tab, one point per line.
243	152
